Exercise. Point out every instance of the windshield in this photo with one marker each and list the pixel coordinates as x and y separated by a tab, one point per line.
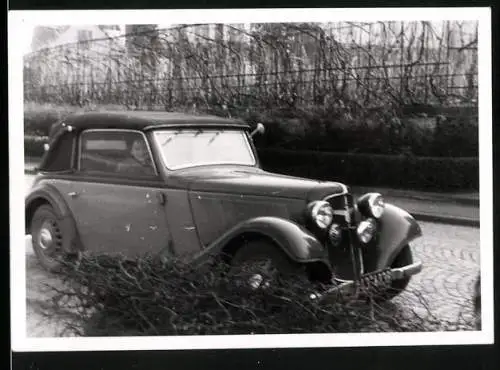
182	148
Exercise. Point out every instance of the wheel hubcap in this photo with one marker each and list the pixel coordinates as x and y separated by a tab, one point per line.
45	239
49	237
261	274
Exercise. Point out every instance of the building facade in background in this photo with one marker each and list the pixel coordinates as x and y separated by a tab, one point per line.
375	64
53	36
73	54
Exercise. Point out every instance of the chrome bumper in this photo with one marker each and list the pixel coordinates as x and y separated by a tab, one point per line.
350	287
406	271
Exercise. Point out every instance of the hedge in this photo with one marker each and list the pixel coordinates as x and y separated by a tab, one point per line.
33	145
454	133
372	132
111	296
405	172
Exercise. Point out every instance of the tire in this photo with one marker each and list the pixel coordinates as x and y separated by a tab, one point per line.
262	257
404	258
47	238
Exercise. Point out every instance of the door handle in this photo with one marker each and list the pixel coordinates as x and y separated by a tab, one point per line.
73	194
162	198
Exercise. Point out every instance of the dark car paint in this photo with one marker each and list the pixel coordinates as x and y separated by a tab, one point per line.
215	213
397	229
296	241
119	218
188	224
255	181
203	208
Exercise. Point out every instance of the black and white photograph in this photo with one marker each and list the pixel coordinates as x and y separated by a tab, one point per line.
333	186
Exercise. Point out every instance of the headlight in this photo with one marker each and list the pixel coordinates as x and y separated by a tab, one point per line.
321	213
366	230
371	205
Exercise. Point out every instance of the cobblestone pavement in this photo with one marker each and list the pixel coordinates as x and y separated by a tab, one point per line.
450	255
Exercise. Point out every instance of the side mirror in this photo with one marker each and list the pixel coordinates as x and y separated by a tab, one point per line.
260	129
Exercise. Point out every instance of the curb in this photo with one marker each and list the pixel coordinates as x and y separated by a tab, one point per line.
449	220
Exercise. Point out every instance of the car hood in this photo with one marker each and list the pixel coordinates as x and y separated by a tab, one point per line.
255	181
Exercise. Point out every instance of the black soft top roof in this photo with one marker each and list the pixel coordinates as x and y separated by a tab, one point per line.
145	120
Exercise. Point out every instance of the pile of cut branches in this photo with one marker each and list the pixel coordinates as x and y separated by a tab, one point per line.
111	296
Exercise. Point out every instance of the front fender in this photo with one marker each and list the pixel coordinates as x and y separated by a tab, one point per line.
294	240
397	229
47	194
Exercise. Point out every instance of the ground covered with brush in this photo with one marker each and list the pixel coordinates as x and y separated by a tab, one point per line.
109	296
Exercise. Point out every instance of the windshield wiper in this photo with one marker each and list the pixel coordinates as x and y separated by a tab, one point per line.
168	140
215	136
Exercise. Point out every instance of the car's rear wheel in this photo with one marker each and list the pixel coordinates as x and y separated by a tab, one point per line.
261	264
404	258
47	238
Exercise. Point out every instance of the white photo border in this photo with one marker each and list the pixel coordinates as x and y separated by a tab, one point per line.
20	21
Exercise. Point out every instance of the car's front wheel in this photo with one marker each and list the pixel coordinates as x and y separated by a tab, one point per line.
260	264
47	238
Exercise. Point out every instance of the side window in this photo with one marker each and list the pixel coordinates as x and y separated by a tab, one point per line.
115	152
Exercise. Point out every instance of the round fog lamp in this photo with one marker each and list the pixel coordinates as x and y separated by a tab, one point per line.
366	230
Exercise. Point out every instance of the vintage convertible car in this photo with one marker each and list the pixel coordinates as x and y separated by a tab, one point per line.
183	185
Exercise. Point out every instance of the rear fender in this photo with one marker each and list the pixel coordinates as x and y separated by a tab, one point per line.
398	228
48	194
294	240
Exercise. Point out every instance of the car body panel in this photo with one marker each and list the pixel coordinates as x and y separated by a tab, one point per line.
255	181
397	229
183	228
215	213
114	218
296	241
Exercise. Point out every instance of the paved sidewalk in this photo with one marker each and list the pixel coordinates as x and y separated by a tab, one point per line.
467	198
444	211
451	208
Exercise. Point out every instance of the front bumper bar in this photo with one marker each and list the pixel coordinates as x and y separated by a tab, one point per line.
385	277
406	271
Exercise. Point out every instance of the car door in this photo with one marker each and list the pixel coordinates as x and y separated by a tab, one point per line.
117	213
